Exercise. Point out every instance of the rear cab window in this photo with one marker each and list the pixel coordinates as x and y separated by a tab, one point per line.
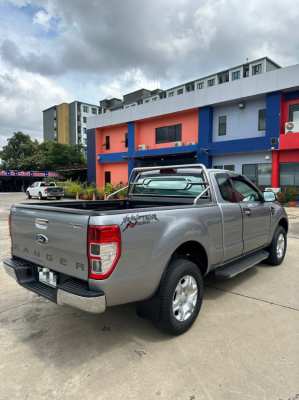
170	183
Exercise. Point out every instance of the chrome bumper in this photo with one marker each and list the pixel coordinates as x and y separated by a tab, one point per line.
94	305
88	301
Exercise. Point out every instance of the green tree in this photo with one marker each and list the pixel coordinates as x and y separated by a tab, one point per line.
23	153
20	152
53	156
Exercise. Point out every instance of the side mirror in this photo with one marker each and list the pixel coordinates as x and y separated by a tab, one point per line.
269	196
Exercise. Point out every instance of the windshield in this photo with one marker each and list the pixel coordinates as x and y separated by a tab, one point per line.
169	185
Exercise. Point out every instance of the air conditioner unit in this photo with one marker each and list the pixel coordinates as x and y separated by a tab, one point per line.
142	147
291	127
177	144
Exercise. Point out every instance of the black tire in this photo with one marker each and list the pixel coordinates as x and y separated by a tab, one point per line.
177	270
274	257
40	196
28	195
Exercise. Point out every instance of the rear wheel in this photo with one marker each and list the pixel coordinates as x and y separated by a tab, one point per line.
28	195
40	196
278	246
180	296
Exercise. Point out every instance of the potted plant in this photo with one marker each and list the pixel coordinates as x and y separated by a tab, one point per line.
281	197
291	196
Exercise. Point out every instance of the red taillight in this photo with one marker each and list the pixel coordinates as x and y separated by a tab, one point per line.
103	250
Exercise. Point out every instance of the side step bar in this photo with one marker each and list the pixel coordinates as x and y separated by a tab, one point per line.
236	267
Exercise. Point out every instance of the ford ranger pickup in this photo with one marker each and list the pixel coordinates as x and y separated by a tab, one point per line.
177	224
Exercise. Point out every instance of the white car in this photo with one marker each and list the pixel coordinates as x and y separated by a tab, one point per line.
43	190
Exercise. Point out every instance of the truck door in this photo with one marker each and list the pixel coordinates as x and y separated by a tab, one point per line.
232	230
256	214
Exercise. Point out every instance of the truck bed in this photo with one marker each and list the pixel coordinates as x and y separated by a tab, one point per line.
102	207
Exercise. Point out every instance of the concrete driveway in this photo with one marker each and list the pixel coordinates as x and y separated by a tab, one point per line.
244	345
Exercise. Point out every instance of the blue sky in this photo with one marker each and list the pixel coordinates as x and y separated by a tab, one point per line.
53	50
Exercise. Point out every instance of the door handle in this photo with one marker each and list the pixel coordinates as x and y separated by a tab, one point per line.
247	211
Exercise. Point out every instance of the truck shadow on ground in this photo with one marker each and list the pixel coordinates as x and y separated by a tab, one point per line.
64	336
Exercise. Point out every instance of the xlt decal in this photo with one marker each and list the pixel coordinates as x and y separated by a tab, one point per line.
130	221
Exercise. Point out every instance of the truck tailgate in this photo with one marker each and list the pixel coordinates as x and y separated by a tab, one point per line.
52	239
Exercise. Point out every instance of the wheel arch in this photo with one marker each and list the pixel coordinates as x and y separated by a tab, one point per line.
193	251
284	223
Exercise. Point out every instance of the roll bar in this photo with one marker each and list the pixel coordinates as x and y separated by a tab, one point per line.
202	167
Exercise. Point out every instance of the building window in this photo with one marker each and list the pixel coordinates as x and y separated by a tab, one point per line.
260	174
262	120
190	87
289	174
107	142
200	85
223	77
84	120
85	109
245	70
126	139
172	133
228	167
236	75
107	177
180	91
147	100
154	98
211	82
294	112
222	125
84	130
256	69
94	110
170	94
140	101
162	95
79	129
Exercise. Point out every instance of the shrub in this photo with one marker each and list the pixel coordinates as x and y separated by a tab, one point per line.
72	188
86	192
281	197
290	194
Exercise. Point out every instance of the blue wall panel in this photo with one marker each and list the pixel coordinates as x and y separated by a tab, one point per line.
112	157
273	106
91	155
205	135
131	146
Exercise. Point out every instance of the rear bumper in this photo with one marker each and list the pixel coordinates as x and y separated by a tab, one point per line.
71	292
61	194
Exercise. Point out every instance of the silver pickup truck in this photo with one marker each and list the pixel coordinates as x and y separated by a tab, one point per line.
177	224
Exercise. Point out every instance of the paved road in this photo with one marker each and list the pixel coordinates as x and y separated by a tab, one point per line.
244	345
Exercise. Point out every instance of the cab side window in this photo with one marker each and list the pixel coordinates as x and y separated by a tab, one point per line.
225	187
244	191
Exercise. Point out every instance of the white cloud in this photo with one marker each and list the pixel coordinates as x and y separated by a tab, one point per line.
23	96
42	18
129	81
